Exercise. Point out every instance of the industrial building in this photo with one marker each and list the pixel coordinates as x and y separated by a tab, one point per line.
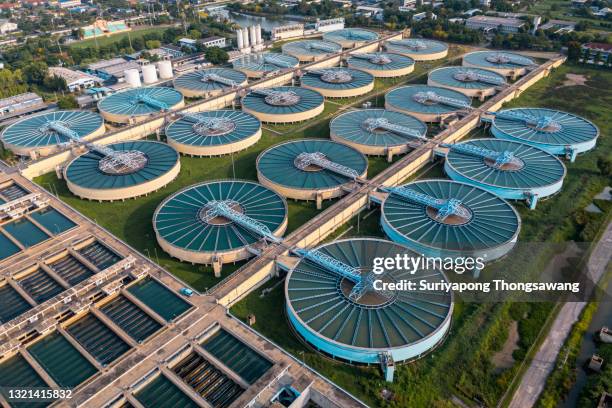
418	49
505	63
75	80
331	304
209	82
382	65
472	82
208	223
137	104
338	82
557	132
428	103
132	169
213	133
283	104
20	104
488	23
310	169
46	133
350	37
511	170
311	50
377	131
263	64
442	218
249	39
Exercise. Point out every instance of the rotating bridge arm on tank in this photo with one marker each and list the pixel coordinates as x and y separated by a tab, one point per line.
321	47
373	58
382	123
334	75
219	79
152	102
499	158
424	97
207	122
274	60
220	208
501	58
413	44
304	160
445	208
470	75
130	159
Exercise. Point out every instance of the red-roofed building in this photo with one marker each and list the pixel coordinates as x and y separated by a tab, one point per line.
594	48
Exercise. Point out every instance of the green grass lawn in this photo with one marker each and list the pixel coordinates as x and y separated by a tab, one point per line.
101	41
131	220
462	365
563	10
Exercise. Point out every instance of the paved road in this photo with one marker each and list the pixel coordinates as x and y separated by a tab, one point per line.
543	363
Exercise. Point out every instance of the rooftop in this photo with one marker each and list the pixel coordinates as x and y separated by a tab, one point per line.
18	98
497	20
71	75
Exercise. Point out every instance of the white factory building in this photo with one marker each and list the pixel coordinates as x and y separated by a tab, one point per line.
75	80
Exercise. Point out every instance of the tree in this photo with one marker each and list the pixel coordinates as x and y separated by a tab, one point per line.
55	83
67	102
150	44
216	55
35	72
573	51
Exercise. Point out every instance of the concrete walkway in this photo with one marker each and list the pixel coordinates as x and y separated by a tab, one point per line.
534	379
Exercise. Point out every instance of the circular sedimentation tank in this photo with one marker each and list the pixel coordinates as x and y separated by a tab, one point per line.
418	49
554	131
338	82
209	82
311	50
145	166
428	103
291	168
483	225
214	133
139	103
44	133
367	130
404	325
187	229
511	170
505	63
382	64
473	82
283	104
350	37
264	63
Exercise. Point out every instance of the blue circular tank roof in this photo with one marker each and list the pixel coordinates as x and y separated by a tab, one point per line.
416	46
498	59
451	76
353	126
128	102
405	323
235	126
85	170
382	61
198	81
545	128
354	78
307	99
531	167
265	62
34	131
311	47
405	98
491	221
350	34
278	164
180	220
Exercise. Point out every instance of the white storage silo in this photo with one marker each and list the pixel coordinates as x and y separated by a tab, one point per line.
239	40
258	34
245	37
132	77
252	35
165	69
149	74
